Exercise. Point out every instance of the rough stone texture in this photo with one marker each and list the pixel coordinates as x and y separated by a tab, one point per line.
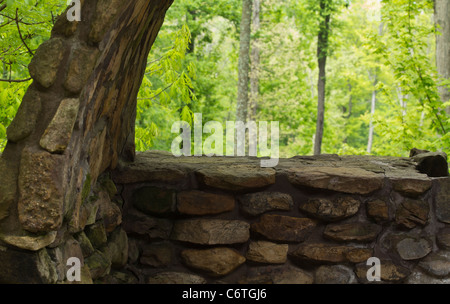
41	194
443	238
25	120
433	164
237	177
258	203
352	232
211	232
105	13
358	255
196	202
157	254
390	272
437	264
442	200
347	180
45	63
86	246
277	275
137	223
153	200
412	213
331	210
58	133
96	234
378	210
8	188
267	252
318	252
175	278
116	249
99	264
29	241
334	274
412	249
420	277
215	262
412	186
108	211
80	67
292	275
283	228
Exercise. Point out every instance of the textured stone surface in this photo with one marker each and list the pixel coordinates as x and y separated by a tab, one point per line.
45	63
292	275
80	67
237	177
420	277
211	232
433	164
58	133
413	249
175	278
318	252
105	13
215	262
257	203
390	272
443	200
283	228
412	213
41	192
196	202
152	200
108	211
25	120
277	275
96	234
158	254
331	210
358	255
352	232
116	249
29	241
137	223
411	186
437	264
378	210
267	252
334	274
99	264
347	180
443	238
8	188
86	246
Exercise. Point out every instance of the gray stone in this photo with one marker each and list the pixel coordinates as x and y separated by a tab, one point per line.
334	274
99	264
138	223
420	277
85	244
116	248
29	241
105	13
157	254
96	234
257	203
267	252
442	200
175	278
331	210
292	275
437	264
280	274
443	238
352	232
412	249
80	67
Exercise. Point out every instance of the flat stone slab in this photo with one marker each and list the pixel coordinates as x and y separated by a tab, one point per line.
257	203
352	232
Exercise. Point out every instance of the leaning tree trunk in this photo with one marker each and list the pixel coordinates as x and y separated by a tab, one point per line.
255	61
76	119
442	18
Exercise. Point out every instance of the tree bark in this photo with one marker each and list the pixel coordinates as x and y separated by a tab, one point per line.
322	52
255	61
244	61
372	113
442	21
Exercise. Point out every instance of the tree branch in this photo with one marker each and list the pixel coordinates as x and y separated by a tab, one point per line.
15	80
20	33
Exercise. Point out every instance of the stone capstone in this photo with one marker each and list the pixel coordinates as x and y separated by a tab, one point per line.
433	164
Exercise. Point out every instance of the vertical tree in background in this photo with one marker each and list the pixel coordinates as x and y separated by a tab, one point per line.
442	20
255	61
244	61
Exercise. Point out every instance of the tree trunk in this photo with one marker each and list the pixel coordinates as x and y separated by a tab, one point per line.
372	113
255	60
322	52
442	20
244	61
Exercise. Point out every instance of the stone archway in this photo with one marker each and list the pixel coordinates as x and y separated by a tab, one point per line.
76	121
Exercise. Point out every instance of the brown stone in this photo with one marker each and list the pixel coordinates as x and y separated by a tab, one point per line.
352	232
411	186
437	264
411	248
331	210
334	274
442	200
210	231
411	213
389	272
96	234
276	274
116	249
283	228
8	187
443	238
196	202
80	67
58	133
45	63
257	203
99	264
323	253
175	278
358	255
136	222
292	275
341	179
215	262
237	177
105	13
108	211
157	254
378	210
28	241
267	252
41	191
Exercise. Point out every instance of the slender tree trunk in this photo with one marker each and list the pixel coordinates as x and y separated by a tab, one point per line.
322	50
255	61
372	113
442	20
244	61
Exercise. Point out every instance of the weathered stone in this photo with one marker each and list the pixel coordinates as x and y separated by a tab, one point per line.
45	63
109	212
86	247
25	120
443	238
105	13
116	248
331	210
257	203
62	253
437	264
41	191
352	232
334	274
151	200
58	133
118	277
80	67
412	249
411	213
96	234
323	253
157	254
420	277
38	265
8	188
378	210
196	202
341	179
279	274
292	275
175	278
411	186
442	200
389	272
434	164
237	177
211	232
283	228
267	252
138	223
29	241
358	255
215	262
63	26
133	250
99	264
